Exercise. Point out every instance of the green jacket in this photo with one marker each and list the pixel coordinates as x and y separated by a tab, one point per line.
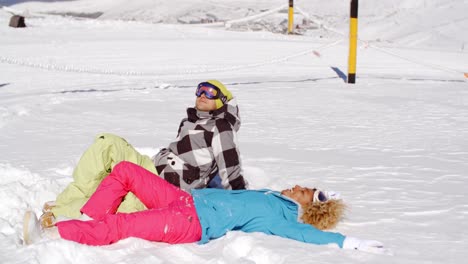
95	164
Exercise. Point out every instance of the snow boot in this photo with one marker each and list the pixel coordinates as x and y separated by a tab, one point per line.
32	231
47	218
48	206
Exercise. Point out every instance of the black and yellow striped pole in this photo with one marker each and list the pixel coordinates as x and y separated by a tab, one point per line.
291	17
353	26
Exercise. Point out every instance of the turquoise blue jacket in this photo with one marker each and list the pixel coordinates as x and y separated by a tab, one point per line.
264	211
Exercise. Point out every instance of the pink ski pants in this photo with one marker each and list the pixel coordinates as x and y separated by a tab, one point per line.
171	216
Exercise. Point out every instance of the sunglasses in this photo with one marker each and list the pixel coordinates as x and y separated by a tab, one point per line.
319	196
210	91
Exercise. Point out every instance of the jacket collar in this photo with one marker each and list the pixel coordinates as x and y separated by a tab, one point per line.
228	112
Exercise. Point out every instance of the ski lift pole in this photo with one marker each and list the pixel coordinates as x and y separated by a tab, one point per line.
291	16
353	27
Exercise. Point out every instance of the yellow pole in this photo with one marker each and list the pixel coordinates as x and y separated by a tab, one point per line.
353	27
291	17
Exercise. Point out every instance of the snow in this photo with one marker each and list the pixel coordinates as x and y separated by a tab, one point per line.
393	144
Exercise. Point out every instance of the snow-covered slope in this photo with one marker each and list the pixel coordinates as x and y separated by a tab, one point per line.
394	144
404	22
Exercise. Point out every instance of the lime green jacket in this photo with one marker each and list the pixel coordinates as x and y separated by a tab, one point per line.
94	165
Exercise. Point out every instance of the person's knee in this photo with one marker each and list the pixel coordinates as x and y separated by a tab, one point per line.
122	171
123	166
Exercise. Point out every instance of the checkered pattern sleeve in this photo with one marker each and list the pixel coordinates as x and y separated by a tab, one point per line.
181	125
226	153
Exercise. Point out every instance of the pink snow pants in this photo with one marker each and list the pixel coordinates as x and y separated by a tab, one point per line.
171	216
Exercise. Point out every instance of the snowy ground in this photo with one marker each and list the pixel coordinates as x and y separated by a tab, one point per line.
394	144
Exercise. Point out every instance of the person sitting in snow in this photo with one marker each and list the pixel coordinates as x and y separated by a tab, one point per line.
174	216
205	153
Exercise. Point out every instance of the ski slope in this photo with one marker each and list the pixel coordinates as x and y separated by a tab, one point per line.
393	144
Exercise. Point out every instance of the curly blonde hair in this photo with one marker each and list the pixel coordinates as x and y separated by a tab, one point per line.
324	215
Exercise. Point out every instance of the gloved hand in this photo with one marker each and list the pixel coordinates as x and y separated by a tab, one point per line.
332	195
371	246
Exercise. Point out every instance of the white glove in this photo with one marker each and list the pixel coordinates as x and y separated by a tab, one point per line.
332	195
371	246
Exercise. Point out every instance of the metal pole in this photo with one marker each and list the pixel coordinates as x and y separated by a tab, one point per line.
291	17
353	27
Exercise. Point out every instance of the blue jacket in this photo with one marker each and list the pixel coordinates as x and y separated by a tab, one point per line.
264	211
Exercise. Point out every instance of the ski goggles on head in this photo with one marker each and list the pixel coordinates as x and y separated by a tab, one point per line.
319	196
210	91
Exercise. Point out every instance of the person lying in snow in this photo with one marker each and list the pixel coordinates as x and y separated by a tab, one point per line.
174	216
205	153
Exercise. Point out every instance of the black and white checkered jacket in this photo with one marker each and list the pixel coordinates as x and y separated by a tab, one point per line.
206	145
